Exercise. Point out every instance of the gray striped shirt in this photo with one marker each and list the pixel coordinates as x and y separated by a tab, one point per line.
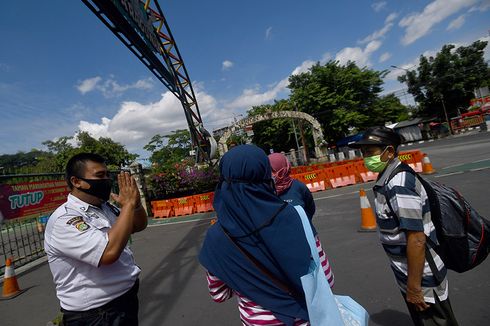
411	209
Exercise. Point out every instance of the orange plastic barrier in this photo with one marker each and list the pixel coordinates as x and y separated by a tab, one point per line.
298	169
162	208
204	202
314	180
413	159
184	205
340	176
363	174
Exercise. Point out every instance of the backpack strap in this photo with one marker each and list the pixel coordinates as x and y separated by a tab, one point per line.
403	167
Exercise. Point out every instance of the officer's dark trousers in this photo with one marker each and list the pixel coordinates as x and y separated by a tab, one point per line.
122	311
440	313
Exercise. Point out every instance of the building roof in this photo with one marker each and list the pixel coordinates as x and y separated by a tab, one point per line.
408	123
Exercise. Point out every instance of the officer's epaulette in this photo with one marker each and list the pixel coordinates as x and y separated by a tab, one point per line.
114	209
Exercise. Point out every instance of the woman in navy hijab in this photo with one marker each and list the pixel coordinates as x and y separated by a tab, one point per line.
257	250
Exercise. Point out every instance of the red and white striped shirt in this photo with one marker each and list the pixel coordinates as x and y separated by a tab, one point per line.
252	314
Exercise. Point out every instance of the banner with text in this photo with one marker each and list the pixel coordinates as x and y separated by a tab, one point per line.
31	199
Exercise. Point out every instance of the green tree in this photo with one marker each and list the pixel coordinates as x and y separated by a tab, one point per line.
388	108
22	162
170	149
341	97
449	78
62	150
114	153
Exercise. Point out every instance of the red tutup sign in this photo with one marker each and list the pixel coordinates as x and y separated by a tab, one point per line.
31	199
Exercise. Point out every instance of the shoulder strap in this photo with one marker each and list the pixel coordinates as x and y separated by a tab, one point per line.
403	167
280	284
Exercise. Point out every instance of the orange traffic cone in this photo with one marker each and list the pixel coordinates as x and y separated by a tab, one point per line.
368	221
10	286
213	221
427	166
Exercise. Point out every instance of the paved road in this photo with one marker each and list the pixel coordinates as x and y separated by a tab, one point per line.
173	289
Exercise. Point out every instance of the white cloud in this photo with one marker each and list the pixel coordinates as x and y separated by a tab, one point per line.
377	34
358	55
391	17
253	96
268	33
419	24
226	65
378	6
381	32
135	123
456	23
110	87
484	6
486	55
384	57
88	84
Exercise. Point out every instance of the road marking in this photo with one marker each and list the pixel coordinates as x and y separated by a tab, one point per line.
453	166
480	169
448	174
180	222
485	159
461	164
338	195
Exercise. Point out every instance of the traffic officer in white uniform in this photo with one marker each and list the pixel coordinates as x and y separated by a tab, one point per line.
86	241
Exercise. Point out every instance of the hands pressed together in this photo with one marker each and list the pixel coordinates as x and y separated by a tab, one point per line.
128	191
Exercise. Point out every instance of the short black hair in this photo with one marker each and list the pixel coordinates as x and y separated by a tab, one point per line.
76	165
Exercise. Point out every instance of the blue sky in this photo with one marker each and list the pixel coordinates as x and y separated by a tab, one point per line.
62	70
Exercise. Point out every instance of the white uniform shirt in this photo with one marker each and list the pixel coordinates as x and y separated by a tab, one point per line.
75	239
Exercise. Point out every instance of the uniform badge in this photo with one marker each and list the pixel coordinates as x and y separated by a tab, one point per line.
79	223
82	226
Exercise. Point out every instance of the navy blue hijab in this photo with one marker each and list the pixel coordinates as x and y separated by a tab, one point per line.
245	201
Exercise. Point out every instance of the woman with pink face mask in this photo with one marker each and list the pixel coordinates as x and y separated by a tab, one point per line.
295	193
288	189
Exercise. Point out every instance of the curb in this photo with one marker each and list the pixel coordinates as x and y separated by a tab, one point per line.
170	220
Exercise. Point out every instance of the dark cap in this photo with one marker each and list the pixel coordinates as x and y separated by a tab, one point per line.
378	136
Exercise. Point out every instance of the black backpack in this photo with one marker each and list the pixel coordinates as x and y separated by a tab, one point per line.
463	235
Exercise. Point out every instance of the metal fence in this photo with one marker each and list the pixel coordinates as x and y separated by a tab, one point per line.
22	239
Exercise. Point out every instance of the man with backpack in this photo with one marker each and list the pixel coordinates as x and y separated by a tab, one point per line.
406	230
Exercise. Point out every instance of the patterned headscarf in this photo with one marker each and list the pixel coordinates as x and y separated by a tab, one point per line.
280	172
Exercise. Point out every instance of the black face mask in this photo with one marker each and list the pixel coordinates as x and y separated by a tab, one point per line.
100	188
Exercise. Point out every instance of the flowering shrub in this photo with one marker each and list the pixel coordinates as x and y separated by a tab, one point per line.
183	179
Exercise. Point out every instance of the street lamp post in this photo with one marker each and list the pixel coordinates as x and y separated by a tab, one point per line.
445	114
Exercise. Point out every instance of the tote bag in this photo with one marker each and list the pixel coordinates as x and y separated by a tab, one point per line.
325	309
